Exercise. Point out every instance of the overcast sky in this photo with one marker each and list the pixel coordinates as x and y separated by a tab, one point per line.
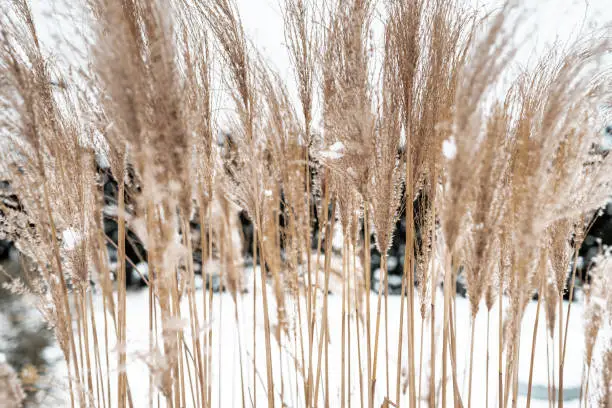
547	20
544	22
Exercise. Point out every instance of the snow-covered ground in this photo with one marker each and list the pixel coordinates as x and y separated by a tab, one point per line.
226	355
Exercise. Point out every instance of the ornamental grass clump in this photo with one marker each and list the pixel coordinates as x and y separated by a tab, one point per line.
396	113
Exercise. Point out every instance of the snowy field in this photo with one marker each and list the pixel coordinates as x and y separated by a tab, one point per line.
226	364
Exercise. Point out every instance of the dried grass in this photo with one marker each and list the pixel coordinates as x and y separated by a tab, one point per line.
488	181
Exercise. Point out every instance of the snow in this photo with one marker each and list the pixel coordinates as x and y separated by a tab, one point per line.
337	237
70	238
226	351
392	262
449	148
393	280
141	270
102	160
334	152
606	144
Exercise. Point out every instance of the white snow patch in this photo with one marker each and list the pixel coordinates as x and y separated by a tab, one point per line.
71	239
143	268
52	354
394	280
198	281
338	237
449	148
606	144
102	160
335	151
392	262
